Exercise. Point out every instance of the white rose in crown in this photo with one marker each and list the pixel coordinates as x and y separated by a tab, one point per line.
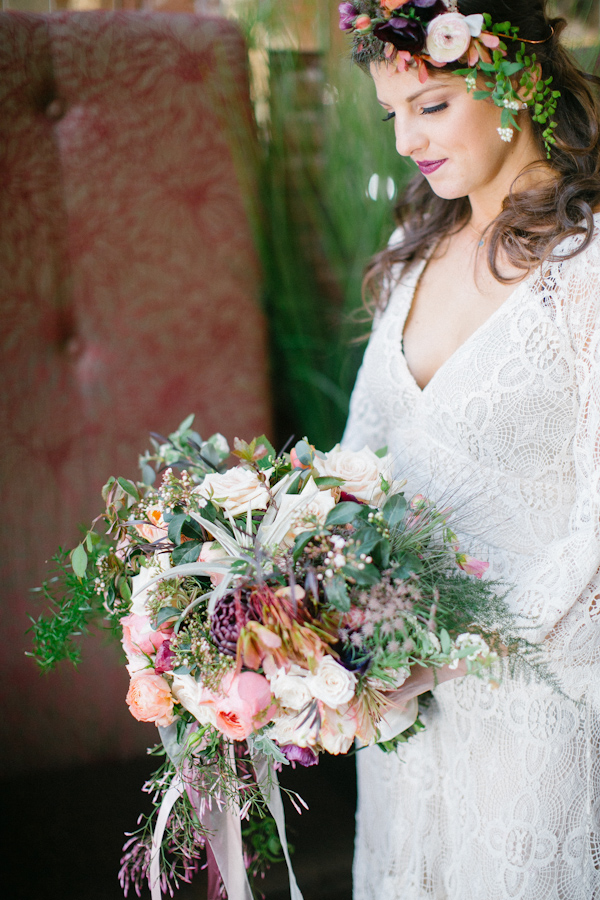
331	683
361	471
449	36
235	491
291	688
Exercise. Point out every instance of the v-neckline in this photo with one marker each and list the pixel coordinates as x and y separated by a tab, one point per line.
412	290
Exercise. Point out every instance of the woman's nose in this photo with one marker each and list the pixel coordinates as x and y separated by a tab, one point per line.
409	137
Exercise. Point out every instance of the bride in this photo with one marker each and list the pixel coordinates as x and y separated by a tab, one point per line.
482	377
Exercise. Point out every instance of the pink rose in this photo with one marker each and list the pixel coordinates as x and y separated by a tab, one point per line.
149	699
139	637
213	553
245	706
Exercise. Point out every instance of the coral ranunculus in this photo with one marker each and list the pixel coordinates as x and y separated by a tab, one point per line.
247	697
149	699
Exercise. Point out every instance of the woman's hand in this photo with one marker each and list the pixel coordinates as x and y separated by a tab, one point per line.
423	679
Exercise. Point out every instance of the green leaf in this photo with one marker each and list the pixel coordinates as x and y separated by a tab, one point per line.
336	592
344	513
381	452
148	474
363	577
129	488
186	553
186	424
124	589
445	641
300	543
79	560
394	509
88	542
165	615
481	95
328	481
304	453
511	68
175	525
264	453
366	539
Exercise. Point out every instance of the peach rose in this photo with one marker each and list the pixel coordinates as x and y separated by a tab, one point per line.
156	527
149	699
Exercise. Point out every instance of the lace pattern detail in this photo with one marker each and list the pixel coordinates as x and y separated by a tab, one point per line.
500	797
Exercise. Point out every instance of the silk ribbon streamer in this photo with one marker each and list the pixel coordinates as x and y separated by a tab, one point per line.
269	786
171	797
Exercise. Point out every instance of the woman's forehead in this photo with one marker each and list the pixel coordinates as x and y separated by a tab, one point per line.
405	86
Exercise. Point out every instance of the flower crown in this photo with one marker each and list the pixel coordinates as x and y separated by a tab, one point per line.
415	32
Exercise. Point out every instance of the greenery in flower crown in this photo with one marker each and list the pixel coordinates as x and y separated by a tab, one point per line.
420	32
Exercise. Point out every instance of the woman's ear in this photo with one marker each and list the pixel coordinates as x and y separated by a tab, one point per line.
528	83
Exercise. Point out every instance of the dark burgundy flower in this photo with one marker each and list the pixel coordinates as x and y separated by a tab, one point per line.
163	661
302	755
404	34
429	9
231	614
348	13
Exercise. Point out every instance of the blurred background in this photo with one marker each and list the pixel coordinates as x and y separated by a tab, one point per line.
189	193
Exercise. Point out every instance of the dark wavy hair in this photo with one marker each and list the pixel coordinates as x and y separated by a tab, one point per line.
532	222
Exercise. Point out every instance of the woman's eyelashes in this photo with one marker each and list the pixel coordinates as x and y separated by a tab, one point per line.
424	112
433	109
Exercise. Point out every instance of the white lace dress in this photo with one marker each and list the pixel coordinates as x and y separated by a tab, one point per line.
500	796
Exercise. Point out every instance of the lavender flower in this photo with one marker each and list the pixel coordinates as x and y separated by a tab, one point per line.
348	13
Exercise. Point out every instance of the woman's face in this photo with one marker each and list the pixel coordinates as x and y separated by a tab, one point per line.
452	137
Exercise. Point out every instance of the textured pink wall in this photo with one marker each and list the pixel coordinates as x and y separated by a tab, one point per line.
128	298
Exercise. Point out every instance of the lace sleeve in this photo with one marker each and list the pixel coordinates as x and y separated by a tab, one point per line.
365	426
560	590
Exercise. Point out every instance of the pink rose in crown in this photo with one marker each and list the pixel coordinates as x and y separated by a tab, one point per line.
149	699
246	704
139	637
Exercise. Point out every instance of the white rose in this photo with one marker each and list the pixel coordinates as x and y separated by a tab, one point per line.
294	729
291	688
161	562
295	514
195	698
234	491
361	471
332	683
448	37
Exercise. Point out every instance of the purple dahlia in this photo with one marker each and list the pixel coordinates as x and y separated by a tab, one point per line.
229	617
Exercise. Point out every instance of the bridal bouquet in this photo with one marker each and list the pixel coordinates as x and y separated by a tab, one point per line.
265	610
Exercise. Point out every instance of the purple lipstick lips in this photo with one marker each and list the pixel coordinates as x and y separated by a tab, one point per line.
427	166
